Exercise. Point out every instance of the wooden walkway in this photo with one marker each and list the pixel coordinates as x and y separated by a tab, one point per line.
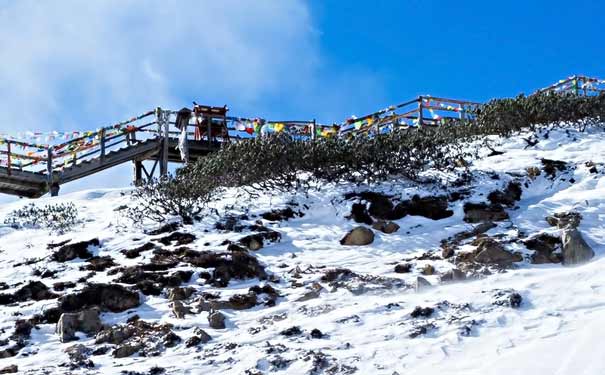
32	170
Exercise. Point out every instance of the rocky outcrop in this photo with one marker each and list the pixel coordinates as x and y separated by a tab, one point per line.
482	212
75	250
108	297
149	339
281	214
256	241
34	290
563	220
216	320
387	227
86	321
435	208
490	251
575	248
507	197
545	248
551	167
359	214
359	236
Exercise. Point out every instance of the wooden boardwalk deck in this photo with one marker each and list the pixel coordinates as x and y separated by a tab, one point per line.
32	170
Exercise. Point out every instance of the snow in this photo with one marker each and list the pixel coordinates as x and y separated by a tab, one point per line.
558	329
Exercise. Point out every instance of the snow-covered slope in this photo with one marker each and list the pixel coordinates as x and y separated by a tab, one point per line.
361	320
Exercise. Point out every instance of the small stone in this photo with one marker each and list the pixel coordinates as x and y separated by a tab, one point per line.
359	236
422	284
428	270
316	334
387	227
216	320
403	268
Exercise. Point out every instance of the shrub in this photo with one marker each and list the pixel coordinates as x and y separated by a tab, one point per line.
59	218
281	163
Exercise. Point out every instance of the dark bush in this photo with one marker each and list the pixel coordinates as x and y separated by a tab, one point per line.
281	163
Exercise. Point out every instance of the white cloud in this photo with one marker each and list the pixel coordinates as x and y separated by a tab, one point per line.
78	65
66	62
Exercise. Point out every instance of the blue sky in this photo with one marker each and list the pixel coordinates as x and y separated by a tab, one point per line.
78	65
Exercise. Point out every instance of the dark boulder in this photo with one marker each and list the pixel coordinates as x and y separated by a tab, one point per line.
482	212
34	290
544	246
100	263
359	213
551	167
507	197
180	238
435	208
75	250
490	251
281	214
108	297
136	252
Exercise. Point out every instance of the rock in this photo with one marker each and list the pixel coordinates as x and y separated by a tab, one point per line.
126	350
575	248
109	297
86	321
216	320
78	355
281	215
435	208
533	172
180	238
544	246
62	285
428	270
204	337
380	207
256	241
422	284
241	301
447	251
424	312
75	250
12	369
508	197
193	341
564	220
551	167
358	236
490	251
403	268
166	228
507	297
179	294
292	331
179	310
482	212
34	290
453	275
316	334
100	263
387	227
136	252
337	274
359	213
253	242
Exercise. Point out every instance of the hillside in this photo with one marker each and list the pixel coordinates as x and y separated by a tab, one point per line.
473	278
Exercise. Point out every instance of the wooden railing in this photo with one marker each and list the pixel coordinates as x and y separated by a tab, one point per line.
159	124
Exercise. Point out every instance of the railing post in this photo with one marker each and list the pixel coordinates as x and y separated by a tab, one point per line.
209	119
163	119
52	187
8	156
420	115
102	134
